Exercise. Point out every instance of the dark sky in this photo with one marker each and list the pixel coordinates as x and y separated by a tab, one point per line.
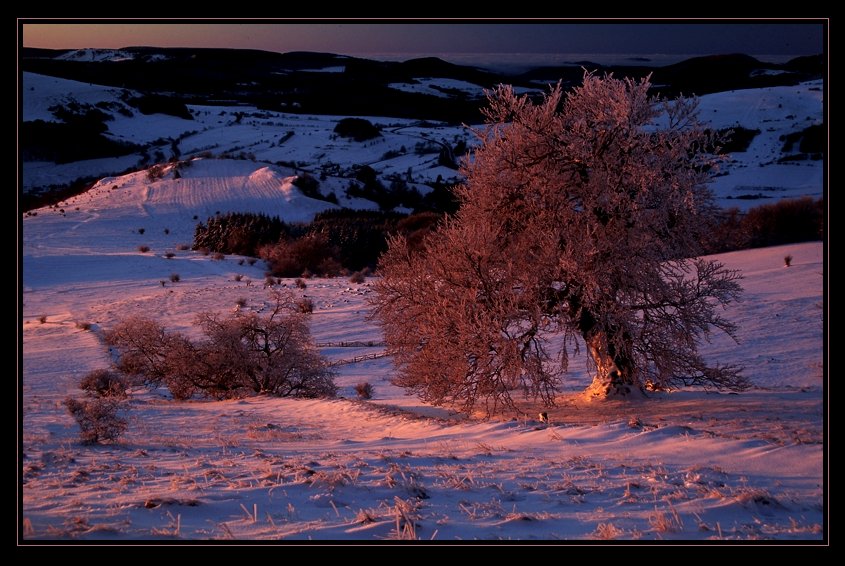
415	38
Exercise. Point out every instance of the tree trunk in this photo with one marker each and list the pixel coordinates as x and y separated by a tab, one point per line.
616	374
615	370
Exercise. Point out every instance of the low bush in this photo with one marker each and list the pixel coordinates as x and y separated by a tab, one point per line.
305	305
289	258
242	354
98	418
364	390
103	383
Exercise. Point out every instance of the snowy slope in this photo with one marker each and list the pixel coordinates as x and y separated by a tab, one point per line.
409	148
776	112
306	140
117	208
41	92
683	465
90	55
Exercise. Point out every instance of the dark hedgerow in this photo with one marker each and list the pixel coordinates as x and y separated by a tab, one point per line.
783	222
239	233
336	240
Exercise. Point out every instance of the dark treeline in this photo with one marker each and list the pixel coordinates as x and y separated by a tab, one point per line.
334	243
340	241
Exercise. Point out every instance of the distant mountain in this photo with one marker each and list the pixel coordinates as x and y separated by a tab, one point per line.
326	83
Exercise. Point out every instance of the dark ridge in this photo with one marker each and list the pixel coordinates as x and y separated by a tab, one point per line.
41	53
709	62
813	64
435	67
275	81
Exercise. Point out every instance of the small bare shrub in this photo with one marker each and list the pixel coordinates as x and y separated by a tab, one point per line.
241	303
174	278
300	283
155	172
42	319
143	249
238	277
607	531
239	355
141	231
98	418
103	383
787	261
305	305
666	522
83	325
364	390
357	277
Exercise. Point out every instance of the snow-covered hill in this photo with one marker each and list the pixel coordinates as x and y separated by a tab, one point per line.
776	112
687	464
406	147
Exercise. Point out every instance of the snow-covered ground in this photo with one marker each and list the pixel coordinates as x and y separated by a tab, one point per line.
409	148
96	55
267	137
683	465
776	112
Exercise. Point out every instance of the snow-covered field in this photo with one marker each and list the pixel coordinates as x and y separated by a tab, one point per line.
683	465
409	148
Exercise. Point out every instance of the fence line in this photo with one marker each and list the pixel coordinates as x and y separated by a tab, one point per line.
353	344
357	359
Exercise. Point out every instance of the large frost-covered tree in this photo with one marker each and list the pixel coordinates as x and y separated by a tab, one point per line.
579	224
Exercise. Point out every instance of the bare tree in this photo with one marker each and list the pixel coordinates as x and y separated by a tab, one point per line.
153	356
273	355
242	354
579	221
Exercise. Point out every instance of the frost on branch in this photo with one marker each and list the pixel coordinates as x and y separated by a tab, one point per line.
580	219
